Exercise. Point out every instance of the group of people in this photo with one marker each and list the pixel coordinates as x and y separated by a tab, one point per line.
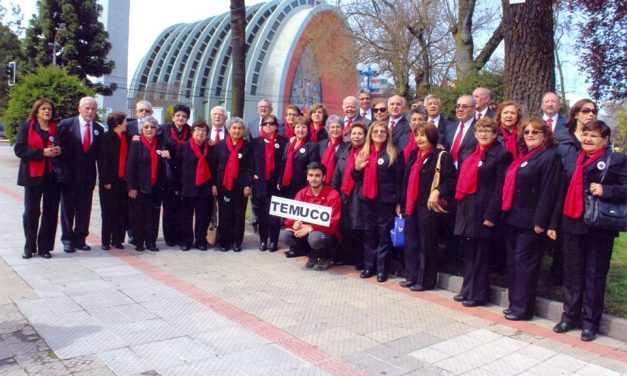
488	183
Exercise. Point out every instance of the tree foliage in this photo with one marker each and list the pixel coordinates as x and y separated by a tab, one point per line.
448	95
53	83
10	47
82	41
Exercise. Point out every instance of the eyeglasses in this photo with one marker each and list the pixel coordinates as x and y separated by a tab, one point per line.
144	110
533	132
268	123
379	131
483	130
590	135
588	110
380	109
149	127
462	106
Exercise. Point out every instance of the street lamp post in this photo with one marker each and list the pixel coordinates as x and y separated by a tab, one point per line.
369	70
54	45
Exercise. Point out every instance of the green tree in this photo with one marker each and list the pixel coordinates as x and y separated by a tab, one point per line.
10	47
53	83
448	95
81	40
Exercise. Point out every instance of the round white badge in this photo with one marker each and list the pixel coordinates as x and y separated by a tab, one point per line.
523	164
276	146
226	199
380	161
601	165
51	138
302	150
480	164
96	132
239	155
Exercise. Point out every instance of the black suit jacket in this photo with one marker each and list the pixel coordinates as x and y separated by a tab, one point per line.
263	188
389	178
443	126
186	165
109	158
468	145
302	157
138	168
401	132
80	167
244	179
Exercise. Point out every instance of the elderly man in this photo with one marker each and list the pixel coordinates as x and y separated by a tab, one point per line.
399	127
482	99
80	138
365	102
350	106
460	139
433	107
264	107
143	108
218	130
550	106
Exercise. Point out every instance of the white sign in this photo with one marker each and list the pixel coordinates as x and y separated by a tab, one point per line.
516	2
300	211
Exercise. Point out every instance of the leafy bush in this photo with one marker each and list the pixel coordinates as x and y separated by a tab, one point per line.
53	83
449	95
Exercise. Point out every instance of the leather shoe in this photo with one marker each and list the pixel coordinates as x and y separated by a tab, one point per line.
274	247
588	335
139	248
170	244
224	249
106	247
237	248
310	263
507	311
201	247
365	274
324	264
84	247
153	248
45	255
262	246
26	256
118	246
459	298
562	327
406	284
382	277
67	248
185	248
471	303
416	287
291	253
512	317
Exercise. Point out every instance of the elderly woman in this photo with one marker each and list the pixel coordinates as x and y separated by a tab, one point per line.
112	172
380	110
267	152
418	117
233	183
530	192
379	167
291	112
173	135
508	116
422	209
479	191
195	179
587	251
568	139
36	146
330	148
352	220
146	182
318	116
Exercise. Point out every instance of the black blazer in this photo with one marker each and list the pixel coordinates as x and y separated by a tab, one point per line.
138	168
244	179
352	210
568	148
322	134
170	144
109	158
263	188
443	126
486	202
324	144
80	168
186	164
389	178
27	154
401	132
468	145
302	157
537	191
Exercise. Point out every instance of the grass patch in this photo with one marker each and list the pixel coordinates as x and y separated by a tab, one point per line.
616	295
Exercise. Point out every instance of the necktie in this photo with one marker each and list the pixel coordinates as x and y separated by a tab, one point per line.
479	116
392	124
86	138
217	138
549	121
363	114
457	142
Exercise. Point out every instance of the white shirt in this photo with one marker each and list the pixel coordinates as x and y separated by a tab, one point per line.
221	132
436	120
467	125
554	119
82	124
368	114
482	113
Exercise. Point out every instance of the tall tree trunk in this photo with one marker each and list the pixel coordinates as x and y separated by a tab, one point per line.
529	52
462	33
238	56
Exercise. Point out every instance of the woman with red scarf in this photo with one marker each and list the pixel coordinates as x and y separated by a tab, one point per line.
146	182
587	251
330	148
195	179
36	146
352	219
317	119
417	119
267	153
421	207
112	179
173	135
479	191
379	167
291	112
232	163
508	116
530	193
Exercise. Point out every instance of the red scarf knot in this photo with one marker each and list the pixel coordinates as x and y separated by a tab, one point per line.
183	137
123	154
371	185
574	203
154	158
203	174
231	171
409	147
328	159
413	185
509	186
348	184
510	140
289	162
270	149
469	173
314	132
35	141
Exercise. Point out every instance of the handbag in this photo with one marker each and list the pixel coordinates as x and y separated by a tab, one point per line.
212	231
442	203
605	215
397	232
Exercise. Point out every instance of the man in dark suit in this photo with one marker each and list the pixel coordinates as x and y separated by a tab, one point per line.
482	99
217	132
551	105
365	101
264	107
433	106
460	140
399	127
350	107
82	135
142	108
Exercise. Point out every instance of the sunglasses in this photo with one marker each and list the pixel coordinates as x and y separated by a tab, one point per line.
588	110
462	106
531	132
268	123
380	109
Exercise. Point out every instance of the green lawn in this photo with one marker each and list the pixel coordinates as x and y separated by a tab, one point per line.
616	296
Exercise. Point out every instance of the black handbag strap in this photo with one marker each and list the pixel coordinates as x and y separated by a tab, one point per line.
607	164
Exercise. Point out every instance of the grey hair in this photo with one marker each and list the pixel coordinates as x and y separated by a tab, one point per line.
431	96
234	120
148	119
334	119
144	102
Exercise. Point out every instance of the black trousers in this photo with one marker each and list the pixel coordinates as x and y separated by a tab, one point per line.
172	228
476	253
524	256
378	221
76	202
113	207
146	208
42	200
421	247
586	264
352	247
321	245
195	233
232	215
269	226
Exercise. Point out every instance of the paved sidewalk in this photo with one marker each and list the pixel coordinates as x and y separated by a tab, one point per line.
252	313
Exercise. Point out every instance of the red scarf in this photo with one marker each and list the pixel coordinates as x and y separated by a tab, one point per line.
154	161
370	186
574	205
176	139
467	181
36	168
314	132
510	140
269	154
289	163
509	186
348	184
203	174
328	159
409	146
123	154
231	171
414	181
289	132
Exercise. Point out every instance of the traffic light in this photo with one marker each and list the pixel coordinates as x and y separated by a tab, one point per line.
10	72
